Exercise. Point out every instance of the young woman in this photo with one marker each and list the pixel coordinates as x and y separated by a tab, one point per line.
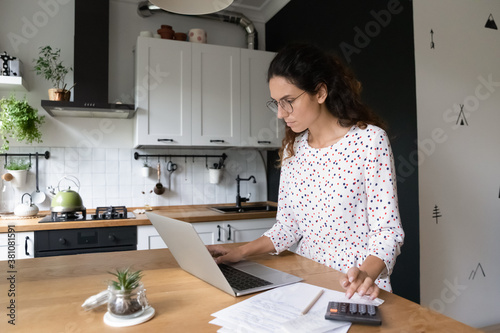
337	195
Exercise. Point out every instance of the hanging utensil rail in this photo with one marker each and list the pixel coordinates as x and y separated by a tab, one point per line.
46	155
220	157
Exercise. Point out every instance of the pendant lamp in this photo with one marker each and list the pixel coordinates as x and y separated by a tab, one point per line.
192	7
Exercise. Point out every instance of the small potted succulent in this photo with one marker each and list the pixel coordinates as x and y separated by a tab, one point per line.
127	296
49	65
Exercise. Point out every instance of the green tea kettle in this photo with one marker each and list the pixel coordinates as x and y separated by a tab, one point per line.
67	201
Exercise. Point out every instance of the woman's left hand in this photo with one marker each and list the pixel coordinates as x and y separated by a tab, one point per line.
359	281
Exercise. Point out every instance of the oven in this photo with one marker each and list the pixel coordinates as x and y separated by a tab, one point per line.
86	240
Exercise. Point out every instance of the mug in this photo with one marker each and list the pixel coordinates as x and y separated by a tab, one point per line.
197	36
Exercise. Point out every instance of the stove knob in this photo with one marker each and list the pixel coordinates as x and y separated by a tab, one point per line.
111	237
62	241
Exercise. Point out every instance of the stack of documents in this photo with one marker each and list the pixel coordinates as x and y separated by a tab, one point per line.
280	310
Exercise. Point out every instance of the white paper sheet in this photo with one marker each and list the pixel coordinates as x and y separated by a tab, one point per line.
279	310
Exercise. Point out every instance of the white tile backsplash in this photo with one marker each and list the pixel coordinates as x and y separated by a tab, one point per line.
113	177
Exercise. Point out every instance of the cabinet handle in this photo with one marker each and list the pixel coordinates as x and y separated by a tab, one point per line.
26	245
229	233
266	142
221	141
165	140
218	239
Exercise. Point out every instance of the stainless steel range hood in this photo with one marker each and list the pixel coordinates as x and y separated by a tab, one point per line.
91	56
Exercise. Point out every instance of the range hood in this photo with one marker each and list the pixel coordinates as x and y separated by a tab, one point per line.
91	56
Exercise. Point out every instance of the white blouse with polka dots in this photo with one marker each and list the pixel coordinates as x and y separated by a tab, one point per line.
340	202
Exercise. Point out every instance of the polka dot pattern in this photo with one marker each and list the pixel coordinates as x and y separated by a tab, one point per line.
339	203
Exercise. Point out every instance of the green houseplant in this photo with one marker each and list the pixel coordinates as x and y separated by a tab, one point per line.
127	297
49	65
19	121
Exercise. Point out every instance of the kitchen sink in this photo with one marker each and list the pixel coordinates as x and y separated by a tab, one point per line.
244	209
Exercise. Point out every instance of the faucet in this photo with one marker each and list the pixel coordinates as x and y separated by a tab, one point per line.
239	199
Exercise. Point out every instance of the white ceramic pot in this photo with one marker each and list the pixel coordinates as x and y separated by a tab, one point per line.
19	177
145	171
214	175
197	36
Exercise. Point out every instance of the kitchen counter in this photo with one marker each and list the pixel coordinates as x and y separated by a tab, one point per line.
187	213
49	293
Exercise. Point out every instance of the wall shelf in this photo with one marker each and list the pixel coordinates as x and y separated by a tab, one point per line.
17	83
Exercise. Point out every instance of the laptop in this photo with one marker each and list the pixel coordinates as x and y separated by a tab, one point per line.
193	256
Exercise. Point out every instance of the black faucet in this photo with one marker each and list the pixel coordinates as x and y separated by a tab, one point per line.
239	199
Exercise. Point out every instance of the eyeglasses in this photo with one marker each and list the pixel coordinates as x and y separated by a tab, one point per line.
286	104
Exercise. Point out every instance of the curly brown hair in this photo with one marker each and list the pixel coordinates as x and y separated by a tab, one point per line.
307	67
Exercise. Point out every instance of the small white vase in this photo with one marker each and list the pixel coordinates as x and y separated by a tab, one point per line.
19	177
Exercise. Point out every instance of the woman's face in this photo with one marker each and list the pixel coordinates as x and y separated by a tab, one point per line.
306	108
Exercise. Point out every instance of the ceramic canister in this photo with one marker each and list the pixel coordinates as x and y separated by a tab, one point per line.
197	36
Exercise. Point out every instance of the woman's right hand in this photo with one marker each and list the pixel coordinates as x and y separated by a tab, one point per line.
223	254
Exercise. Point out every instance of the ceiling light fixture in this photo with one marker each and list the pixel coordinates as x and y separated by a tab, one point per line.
192	7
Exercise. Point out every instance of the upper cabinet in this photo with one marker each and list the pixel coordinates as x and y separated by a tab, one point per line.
162	93
190	94
215	95
259	126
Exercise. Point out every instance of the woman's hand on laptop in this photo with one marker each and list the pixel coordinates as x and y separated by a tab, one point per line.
223	254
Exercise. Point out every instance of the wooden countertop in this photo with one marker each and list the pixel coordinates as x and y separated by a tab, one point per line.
49	293
187	213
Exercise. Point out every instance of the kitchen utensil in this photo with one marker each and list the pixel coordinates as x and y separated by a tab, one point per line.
7	177
67	200
159	188
37	196
171	167
26	209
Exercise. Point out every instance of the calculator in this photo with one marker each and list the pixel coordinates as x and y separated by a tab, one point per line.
353	312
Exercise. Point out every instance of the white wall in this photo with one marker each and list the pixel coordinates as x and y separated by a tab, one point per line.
25	25
459	164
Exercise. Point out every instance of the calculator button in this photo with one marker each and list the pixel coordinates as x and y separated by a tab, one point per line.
372	310
362	309
353	308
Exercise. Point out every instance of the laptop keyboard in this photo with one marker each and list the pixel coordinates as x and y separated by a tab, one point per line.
240	280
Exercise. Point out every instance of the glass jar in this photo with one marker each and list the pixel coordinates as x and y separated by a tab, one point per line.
127	304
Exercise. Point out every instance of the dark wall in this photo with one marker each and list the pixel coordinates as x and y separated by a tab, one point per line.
375	38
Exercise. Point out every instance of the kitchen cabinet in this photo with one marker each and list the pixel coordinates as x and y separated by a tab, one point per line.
215	95
163	93
190	94
260	127
220	232
23	245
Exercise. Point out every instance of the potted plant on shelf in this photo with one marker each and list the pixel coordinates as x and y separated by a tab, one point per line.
50	66
18	171
20	121
127	296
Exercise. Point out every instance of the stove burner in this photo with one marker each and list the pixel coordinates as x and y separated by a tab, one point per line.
110	213
66	216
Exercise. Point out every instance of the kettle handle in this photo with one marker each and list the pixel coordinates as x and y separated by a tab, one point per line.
22	198
72	179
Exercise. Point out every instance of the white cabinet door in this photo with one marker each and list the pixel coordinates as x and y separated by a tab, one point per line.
210	232
260	127
215	95
148	238
245	230
163	92
21	245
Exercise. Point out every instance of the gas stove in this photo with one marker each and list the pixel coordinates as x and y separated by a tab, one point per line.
101	213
